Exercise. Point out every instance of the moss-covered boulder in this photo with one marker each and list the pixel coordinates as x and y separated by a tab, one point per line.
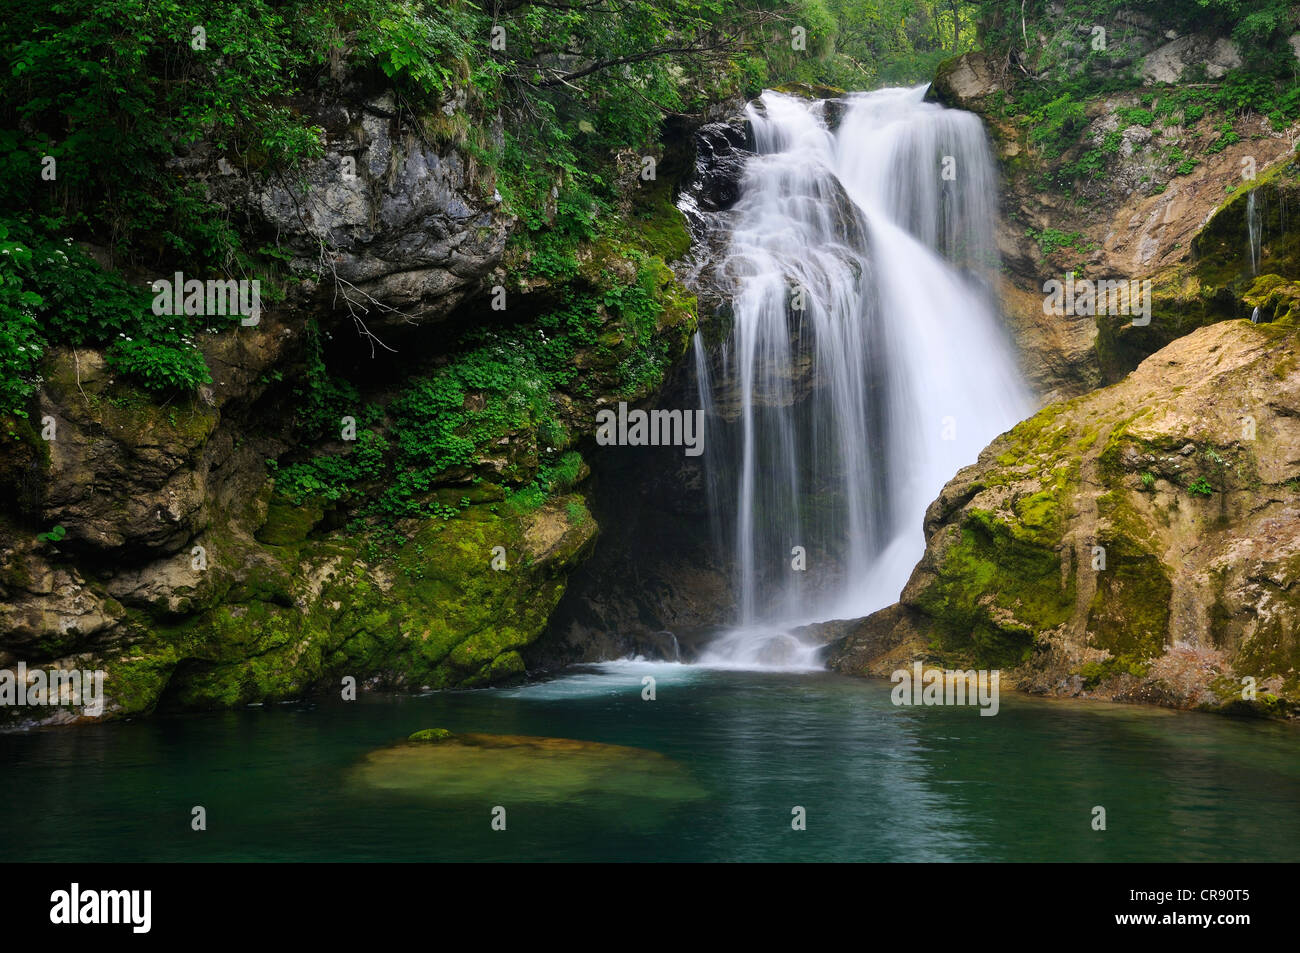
452	607
1138	543
430	734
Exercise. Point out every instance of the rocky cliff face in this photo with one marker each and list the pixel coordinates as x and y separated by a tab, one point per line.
398	224
1129	184
1139	543
147	537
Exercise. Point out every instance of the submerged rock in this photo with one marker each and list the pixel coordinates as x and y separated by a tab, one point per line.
430	734
527	768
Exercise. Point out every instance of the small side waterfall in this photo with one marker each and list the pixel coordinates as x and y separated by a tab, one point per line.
1254	230
865	364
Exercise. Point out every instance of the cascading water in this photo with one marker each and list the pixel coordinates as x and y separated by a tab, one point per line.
865	364
1254	231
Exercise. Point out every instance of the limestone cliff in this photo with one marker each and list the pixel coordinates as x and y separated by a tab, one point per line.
1139	543
158	536
1145	176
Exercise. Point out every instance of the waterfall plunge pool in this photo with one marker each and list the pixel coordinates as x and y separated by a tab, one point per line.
710	770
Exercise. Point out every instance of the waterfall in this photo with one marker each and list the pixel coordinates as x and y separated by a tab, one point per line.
865	363
1254	231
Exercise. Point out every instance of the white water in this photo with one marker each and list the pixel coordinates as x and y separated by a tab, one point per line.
847	418
1254	231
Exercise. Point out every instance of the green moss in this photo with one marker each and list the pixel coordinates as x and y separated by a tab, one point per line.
995	589
433	613
1263	706
1034	444
430	734
1094	673
135	682
809	90
1041	514
659	224
1129	613
1277	300
1110	462
288	523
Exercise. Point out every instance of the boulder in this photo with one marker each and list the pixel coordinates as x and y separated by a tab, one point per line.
1139	543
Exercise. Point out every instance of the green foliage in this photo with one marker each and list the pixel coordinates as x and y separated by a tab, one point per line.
1259	27
55	535
113	90
500	383
1055	124
553	478
321	400
51	293
333	477
21	344
892	42
159	366
1179	160
1052	239
1134	117
1200	487
427	48
1227	136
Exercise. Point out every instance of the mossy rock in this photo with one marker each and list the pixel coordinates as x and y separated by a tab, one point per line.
659	224
1276	298
430	734
809	90
288	523
994	589
433	613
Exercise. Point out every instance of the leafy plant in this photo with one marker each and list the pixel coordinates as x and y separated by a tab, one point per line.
159	366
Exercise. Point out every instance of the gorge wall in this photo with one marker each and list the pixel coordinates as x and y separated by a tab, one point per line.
1136	539
260	539
392	479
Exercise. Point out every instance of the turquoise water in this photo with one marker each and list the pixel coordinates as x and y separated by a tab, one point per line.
741	749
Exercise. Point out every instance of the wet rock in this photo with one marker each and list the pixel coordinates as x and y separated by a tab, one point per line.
1054	558
548	770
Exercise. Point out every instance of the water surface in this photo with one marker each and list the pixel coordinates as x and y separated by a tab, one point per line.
721	758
